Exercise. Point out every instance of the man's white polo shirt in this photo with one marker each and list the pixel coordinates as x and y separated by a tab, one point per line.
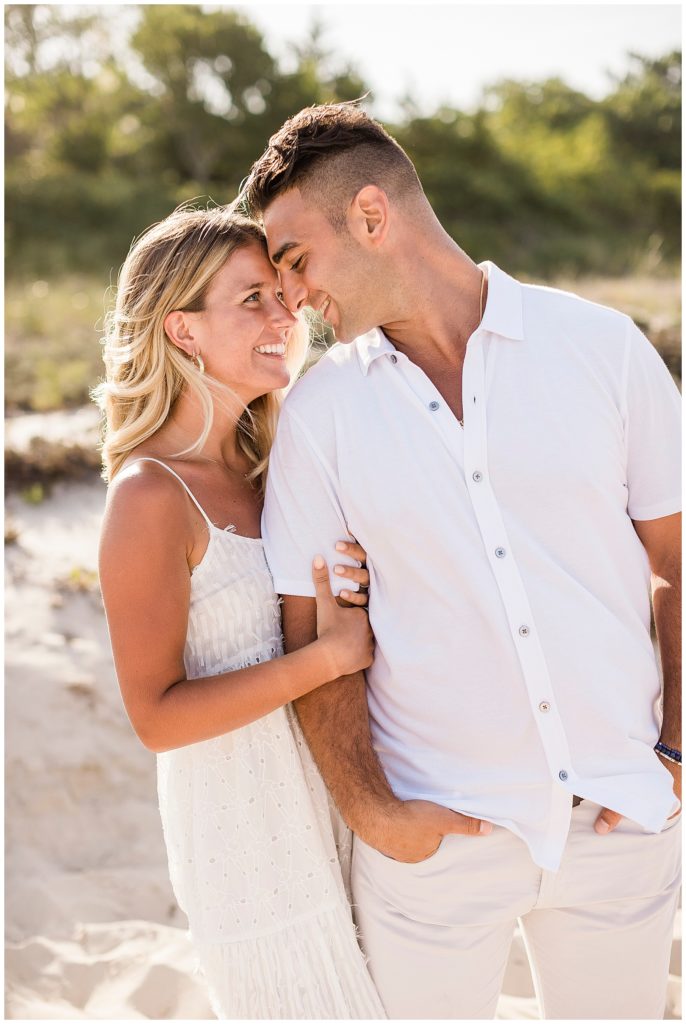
509	590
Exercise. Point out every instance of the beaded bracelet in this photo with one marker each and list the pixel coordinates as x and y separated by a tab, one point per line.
670	753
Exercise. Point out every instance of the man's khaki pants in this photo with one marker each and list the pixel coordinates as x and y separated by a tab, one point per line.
598	931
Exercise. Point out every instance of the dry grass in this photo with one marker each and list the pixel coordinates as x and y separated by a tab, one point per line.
650	301
78	581
52	342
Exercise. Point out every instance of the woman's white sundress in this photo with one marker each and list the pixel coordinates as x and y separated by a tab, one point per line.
257	851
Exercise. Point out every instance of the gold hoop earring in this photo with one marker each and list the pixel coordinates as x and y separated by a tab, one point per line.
197	360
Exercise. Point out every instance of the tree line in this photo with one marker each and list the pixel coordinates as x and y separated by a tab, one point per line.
106	131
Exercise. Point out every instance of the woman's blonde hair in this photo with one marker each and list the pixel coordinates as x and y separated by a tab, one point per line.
171	266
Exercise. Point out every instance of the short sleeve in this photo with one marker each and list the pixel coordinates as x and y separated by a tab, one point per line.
302	515
653	431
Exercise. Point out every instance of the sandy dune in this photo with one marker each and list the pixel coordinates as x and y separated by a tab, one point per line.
93	929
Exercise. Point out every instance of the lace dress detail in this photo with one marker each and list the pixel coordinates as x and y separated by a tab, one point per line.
257	852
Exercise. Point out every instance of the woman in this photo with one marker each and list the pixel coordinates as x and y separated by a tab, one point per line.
197	350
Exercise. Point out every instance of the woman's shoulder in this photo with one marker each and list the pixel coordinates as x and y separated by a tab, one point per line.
145	502
145	480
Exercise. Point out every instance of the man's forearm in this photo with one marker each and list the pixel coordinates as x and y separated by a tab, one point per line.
667	612
335	722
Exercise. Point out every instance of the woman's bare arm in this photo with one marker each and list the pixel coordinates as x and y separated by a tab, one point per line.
145	579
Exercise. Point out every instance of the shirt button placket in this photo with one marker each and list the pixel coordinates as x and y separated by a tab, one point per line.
508	578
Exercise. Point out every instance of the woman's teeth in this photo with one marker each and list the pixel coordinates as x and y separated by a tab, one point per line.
271	350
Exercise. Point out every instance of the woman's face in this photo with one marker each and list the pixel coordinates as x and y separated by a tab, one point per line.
242	333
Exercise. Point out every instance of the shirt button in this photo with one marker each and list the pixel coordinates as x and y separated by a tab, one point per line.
544	706
563	776
500	552
477	477
394	358
434	405
524	630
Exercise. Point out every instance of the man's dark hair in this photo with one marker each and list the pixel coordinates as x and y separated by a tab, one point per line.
330	152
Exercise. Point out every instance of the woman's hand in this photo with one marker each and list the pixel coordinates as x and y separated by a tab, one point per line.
361	575
344	633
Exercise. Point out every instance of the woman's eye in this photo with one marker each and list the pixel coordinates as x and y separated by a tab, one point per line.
297	264
279	296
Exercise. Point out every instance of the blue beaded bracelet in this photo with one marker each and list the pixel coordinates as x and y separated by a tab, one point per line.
669	752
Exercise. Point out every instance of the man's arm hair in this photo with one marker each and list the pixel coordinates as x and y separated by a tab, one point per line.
335	721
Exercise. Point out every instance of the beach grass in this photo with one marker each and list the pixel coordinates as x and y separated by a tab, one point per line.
53	354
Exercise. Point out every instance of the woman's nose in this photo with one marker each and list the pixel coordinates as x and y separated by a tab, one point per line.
281	315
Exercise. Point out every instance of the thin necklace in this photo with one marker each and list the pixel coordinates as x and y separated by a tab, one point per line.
481	316
223	465
215	462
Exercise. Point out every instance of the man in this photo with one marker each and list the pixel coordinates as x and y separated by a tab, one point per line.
508	456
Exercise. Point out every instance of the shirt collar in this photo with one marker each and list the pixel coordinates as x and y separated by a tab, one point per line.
503	312
372	345
502	316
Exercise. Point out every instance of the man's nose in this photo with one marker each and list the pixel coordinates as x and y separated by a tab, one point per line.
294	293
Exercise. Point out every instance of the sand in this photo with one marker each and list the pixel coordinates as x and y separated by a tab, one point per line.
92	926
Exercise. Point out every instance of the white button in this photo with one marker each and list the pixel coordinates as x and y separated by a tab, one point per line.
394	358
477	477
544	706
524	630
500	552
563	776
434	405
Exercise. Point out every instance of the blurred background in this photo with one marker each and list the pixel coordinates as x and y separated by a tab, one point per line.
548	139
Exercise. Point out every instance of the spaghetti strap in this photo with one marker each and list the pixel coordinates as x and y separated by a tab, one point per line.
189	492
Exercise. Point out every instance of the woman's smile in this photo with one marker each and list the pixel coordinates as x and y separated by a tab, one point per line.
276	350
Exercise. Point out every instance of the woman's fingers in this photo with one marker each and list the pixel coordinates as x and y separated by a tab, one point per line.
320	578
352	548
356	574
360	576
354	597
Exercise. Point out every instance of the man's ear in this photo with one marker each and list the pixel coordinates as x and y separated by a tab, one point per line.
177	327
369	216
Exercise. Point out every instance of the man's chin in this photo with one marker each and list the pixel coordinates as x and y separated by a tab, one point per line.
344	334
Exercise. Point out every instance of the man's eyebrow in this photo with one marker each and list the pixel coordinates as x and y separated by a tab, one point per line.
276	258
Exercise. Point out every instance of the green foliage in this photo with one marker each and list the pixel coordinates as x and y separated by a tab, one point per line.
212	74
79	221
612	168
487	198
93	157
107	131
644	111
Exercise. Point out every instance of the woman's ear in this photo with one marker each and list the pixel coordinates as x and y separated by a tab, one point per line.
178	329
